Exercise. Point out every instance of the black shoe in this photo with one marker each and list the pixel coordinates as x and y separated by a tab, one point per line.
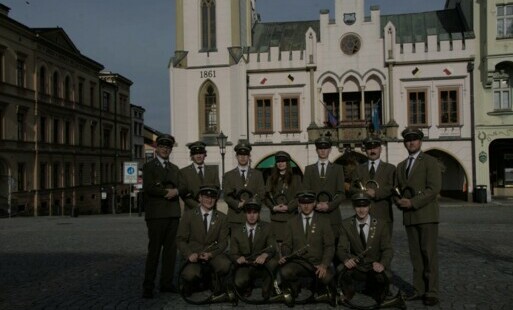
430	301
169	289
412	296
147	294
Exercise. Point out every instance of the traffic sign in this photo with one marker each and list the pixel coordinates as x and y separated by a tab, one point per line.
130	172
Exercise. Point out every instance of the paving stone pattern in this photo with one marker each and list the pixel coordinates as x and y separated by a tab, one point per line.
97	262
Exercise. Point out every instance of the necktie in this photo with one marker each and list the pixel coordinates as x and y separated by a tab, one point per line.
362	236
200	172
242	175
250	239
410	161
307	226
205	221
166	164
323	172
372	171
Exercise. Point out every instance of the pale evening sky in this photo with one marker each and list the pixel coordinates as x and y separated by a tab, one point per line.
136	38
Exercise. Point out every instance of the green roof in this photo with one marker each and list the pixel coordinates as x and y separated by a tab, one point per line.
412	27
415	27
289	36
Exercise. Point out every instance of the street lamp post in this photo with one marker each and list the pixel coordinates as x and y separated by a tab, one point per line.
221	142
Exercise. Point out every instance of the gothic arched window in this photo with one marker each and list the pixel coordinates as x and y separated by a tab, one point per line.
209	110
208	25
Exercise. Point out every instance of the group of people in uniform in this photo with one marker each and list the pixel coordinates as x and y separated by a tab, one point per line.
306	236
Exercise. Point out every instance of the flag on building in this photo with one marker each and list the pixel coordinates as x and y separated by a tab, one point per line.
332	119
375	118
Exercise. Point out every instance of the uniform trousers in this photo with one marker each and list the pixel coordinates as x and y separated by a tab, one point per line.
246	274
293	271
423	244
162	238
194	272
374	284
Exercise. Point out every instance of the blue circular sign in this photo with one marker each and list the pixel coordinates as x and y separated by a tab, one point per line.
130	170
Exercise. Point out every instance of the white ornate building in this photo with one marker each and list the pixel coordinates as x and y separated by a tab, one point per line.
283	84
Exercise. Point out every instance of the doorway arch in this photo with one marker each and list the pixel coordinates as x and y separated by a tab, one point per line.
454	177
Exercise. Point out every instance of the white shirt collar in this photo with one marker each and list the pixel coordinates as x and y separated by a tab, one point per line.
376	163
414	155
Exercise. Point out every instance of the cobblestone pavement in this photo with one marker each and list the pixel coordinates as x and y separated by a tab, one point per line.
97	262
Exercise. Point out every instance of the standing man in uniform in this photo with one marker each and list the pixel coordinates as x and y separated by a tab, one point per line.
253	244
328	177
197	174
383	174
419	177
242	178
162	183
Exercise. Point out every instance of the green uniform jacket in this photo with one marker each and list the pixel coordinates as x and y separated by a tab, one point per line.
232	183
381	206
193	182
289	192
156	179
379	244
320	239
333	183
191	236
426	181
262	239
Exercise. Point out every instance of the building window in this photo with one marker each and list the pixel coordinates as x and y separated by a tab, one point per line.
263	116
81	125
106	101
21	177
350	44
67	175
91	93
43	175
290	114
505	21
93	133
123	140
211	111
93	173
106	138
21	126
55	85
42	129
208	25
42	80
20	72
112	173
81	92
56	131
2	61
502	93
417	107
350	106
102	175
209	116
123	104
81	174
67	88
56	175
448	100
67	133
